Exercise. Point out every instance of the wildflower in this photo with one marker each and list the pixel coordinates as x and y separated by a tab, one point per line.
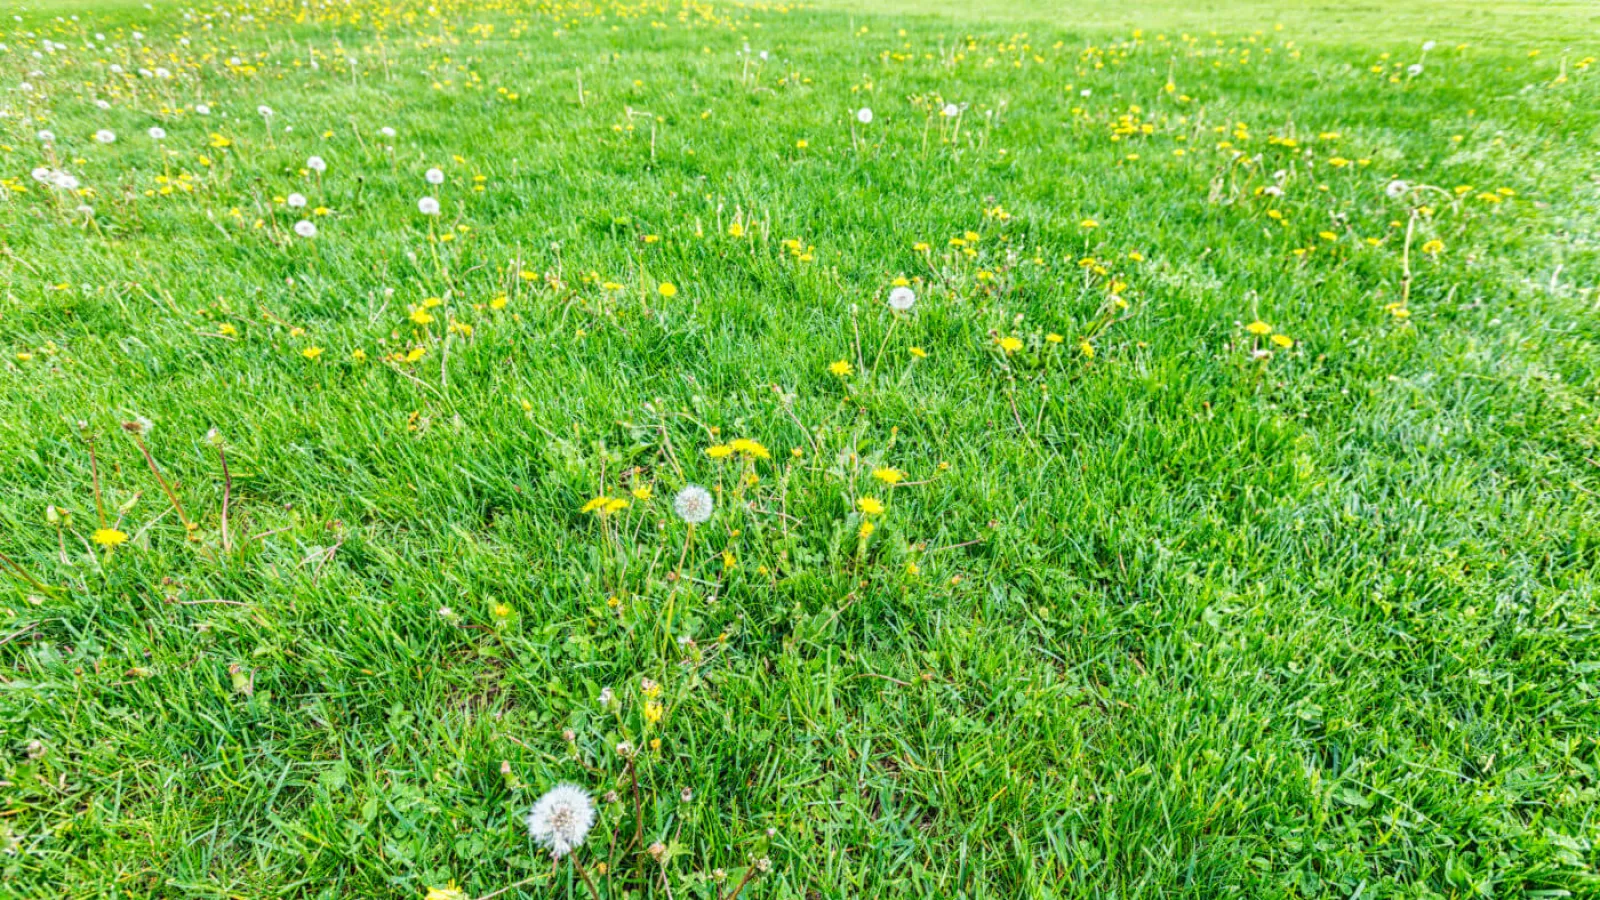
428	206
305	228
1414	69
870	506
296	201
1433	247
311	352
434	176
1258	328
1054	338
316	164
653	711
105	136
1010	344
1283	340
888	475
264	111
140	426
157	133
864	115
109	537
450	892
749	449
720	451
901	299
840	368
202	109
919	353
561	819
693	504
1397	189
421	316
47	137
667	289
950	111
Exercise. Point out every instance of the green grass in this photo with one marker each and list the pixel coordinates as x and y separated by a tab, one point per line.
1153	615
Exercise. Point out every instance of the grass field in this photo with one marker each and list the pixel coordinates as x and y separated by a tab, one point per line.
1152	454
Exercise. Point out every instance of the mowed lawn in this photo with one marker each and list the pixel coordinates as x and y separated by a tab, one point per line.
1149	452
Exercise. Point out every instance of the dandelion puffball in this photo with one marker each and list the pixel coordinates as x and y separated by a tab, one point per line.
296	201
434	176
1427	46
693	504
901	298
428	206
1397	189
105	136
47	137
157	133
264	111
951	110
864	115
317	165
202	109
561	819
386	131
1414	69
305	228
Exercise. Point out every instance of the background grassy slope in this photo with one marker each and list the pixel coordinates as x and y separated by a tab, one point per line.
1167	620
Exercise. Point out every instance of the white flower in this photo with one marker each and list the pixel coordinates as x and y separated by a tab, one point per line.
901	298
316	164
162	73
157	133
428	206
296	201
1272	190
1427	46
203	109
434	176
305	228
105	136
103	104
864	115
264	111
64	181
386	131
561	819
47	137
1397	189
1414	69
950	111
693	504
41	175
86	209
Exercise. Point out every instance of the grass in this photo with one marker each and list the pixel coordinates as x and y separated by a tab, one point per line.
1162	606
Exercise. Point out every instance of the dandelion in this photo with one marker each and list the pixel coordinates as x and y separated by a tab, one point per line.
305	228
901	299
157	133
202	109
840	368
47	137
388	132
1433	247
561	819
864	115
888	475
1414	69
950	111
1258	328
105	136
450	892
109	537
296	201
434	176
870	506
316	164
667	289
1283	340
311	352
1010	344
1397	189
264	111
428	206
693	504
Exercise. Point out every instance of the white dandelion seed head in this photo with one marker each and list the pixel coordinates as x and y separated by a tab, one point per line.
162	73
561	819
103	104
1427	46
305	228
386	131
140	426
428	206
864	115
950	110
41	175
902	298
203	109
264	111
434	176
157	133
296	201
693	504
316	164
105	136
1397	189
1414	69
85	209
47	136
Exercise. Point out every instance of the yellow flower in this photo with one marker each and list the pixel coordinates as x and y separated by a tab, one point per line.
668	289
653	711
919	353
358	354
642	493
109	537
870	506
311	352
1010	344
1283	340
598	504
720	451
227	329
888	475
1054	338
1088	223
1433	247
840	368
421	316
866	530
749	448
499	302
1258	327
451	892
1086	348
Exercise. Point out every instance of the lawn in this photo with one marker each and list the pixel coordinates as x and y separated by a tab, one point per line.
943	450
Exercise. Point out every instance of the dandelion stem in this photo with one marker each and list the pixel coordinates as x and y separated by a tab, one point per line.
579	866
165	487
94	472
748	874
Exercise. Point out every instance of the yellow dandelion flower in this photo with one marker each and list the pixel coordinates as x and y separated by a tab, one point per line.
311	352
888	475
668	289
1283	340
1010	344
109	537
870	506
840	368
1258	327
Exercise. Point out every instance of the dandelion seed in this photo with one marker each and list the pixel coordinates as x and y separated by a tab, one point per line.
388	132
1414	69
693	504
561	819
